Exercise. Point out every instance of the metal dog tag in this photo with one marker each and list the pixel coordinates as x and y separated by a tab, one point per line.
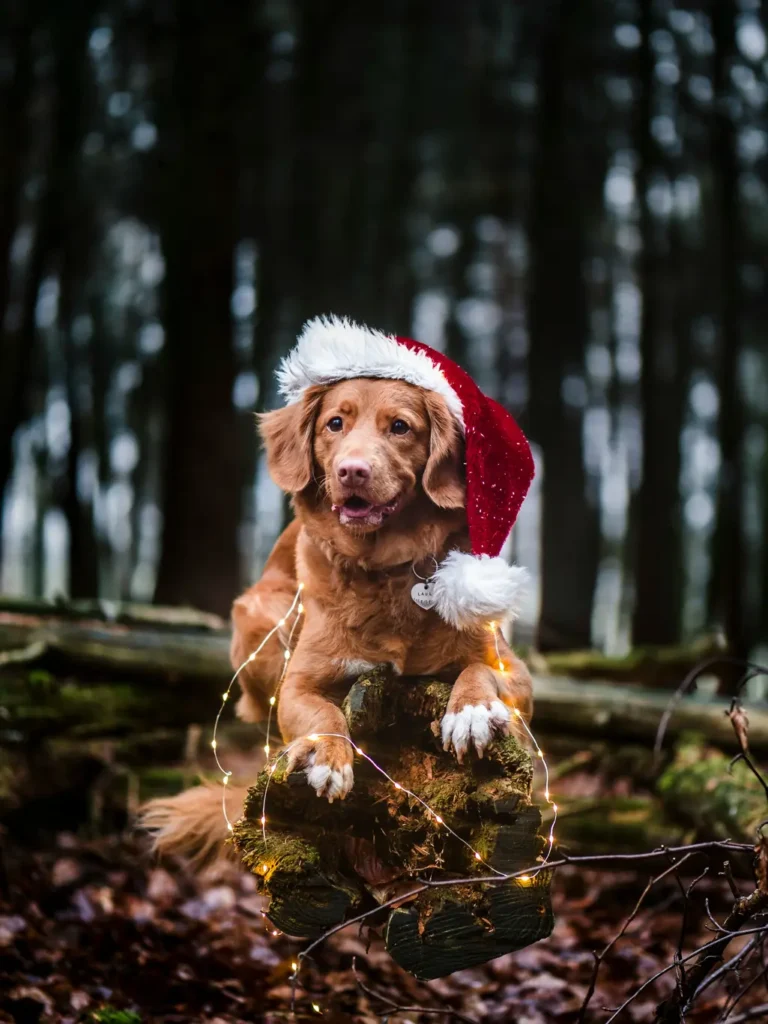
423	596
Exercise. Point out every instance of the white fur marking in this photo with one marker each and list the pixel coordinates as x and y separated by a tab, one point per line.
332	348
474	725
356	666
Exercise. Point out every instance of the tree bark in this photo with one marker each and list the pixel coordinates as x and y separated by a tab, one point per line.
657	509
726	593
203	478
559	329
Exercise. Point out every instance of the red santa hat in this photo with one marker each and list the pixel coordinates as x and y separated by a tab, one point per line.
466	587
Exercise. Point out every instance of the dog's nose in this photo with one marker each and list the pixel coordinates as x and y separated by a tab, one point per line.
353	471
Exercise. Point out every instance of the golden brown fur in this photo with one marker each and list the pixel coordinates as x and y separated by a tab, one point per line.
358	574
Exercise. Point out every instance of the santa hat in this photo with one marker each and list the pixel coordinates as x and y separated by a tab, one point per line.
466	588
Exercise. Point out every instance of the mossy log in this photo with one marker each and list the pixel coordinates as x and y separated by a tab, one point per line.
658	667
321	863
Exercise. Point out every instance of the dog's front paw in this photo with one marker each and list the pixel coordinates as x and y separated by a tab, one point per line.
327	764
474	725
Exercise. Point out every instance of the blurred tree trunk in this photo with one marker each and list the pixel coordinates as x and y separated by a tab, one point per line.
727	580
559	329
657	510
15	356
203	478
70	244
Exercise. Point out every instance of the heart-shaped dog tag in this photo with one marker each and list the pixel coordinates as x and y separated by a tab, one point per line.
423	596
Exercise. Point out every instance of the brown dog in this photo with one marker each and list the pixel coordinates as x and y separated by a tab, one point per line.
375	468
375	471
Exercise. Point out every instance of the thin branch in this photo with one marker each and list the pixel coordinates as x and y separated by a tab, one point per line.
665	970
736	716
687	683
600	957
710	956
755	1013
746	988
728	966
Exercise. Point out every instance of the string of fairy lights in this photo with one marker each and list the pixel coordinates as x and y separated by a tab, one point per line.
296	610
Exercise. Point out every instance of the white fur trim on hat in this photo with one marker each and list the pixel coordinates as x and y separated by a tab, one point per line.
332	348
477	588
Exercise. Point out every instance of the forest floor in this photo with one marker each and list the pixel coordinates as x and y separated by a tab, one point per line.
92	927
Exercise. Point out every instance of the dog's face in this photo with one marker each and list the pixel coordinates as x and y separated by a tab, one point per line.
370	446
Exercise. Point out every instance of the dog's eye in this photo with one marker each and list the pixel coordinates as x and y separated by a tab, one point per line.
335	424
399	427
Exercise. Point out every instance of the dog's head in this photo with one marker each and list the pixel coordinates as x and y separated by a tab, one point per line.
369	447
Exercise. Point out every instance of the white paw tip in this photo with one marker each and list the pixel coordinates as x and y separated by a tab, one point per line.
317	776
474	724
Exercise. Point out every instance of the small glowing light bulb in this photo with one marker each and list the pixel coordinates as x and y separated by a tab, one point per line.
525	878
272	768
224	696
301	609
213	744
501	666
263	820
252	657
294	966
313	737
225	780
359	750
287	655
230	826
266	749
272	701
554	808
315	1007
517	713
301	586
275	932
438	819
398	786
477	856
546	794
540	753
492	626
281	622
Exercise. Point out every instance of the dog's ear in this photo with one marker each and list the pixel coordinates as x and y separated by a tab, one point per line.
443	479
288	434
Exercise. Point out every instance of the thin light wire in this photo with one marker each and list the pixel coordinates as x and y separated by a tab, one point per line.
286	661
225	697
547	796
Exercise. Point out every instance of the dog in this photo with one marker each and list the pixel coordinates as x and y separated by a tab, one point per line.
376	473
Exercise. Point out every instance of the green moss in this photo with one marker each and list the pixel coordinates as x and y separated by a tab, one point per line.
702	789
284	853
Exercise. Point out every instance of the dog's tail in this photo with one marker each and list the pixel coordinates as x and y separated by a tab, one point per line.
192	824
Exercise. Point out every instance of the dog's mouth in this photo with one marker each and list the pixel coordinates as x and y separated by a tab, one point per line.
361	512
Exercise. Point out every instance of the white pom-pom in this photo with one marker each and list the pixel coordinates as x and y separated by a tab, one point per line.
472	589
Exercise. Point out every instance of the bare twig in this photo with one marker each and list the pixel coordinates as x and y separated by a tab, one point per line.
672	1009
665	970
393	1007
754	1013
740	724
753	670
729	1008
730	965
600	957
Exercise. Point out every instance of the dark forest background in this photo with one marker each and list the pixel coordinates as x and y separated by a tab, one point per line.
571	199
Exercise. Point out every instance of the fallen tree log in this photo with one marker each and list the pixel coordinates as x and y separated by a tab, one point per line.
320	864
187	652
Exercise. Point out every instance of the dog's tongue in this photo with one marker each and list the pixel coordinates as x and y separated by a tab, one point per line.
357	509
